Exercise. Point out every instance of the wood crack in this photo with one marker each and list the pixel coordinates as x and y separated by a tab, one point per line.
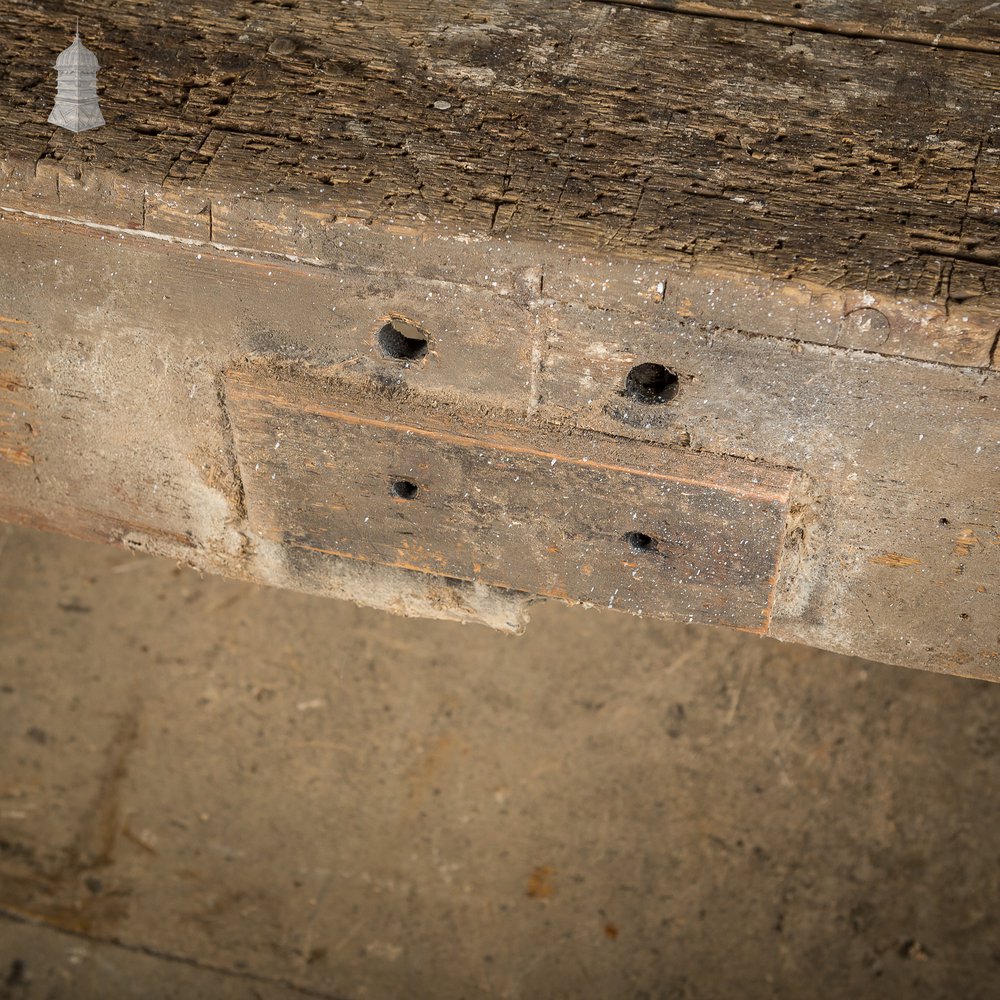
991	262
846	29
239	493
970	257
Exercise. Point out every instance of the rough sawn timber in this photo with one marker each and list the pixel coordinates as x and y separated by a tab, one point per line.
956	24
801	224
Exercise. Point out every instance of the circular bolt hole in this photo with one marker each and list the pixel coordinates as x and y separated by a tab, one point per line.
403	489
638	542
650	383
944	522
401	341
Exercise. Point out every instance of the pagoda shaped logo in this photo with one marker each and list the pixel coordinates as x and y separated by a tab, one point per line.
76	95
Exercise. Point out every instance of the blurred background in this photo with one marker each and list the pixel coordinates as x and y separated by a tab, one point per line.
211	789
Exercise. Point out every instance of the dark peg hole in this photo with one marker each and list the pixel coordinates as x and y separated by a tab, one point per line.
650	383
944	522
403	489
401	341
638	542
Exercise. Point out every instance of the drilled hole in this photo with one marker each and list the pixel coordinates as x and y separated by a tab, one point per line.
638	542
650	383
401	341
403	489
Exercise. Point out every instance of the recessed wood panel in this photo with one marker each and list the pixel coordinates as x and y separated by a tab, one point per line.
582	517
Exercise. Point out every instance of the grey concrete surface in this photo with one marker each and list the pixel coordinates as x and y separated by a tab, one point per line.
210	789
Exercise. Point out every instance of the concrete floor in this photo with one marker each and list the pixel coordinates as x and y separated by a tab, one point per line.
209	789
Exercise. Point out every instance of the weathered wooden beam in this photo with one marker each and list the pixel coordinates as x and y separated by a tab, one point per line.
949	24
746	310
124	391
856	163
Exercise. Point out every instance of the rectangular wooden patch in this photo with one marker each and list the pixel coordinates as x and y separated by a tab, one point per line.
579	516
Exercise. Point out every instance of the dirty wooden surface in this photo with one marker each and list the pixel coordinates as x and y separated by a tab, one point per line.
859	163
581	517
957	24
801	224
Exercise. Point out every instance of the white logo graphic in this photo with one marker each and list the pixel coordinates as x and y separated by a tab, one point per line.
76	96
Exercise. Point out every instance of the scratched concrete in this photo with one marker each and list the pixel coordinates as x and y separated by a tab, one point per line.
210	789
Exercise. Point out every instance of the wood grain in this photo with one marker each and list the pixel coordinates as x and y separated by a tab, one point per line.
855	163
897	460
802	225
971	25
